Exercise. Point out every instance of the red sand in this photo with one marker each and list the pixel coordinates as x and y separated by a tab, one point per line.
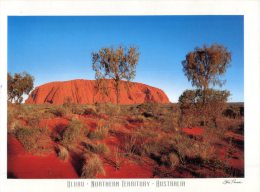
194	131
111	141
236	159
127	170
84	92
22	164
54	123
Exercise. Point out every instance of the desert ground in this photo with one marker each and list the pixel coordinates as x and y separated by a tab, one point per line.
106	140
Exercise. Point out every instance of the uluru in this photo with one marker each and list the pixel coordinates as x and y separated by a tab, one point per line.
81	91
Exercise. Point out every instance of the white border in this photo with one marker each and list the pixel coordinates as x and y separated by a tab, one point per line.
251	11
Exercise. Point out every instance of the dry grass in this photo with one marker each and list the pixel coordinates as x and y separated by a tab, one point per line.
59	111
102	149
73	132
188	148
173	160
152	147
101	130
13	125
109	109
33	139
147	131
137	119
62	153
92	166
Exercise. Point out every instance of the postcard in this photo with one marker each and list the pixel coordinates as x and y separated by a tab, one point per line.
129	95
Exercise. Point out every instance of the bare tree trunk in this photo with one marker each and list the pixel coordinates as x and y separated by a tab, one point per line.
117	91
204	105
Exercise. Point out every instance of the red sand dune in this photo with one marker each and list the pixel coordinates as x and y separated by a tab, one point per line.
22	164
85	92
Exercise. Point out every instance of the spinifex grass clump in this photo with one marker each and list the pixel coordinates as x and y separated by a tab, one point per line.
73	132
33	139
109	109
171	160
102	149
101	131
92	166
62	153
188	148
58	111
99	148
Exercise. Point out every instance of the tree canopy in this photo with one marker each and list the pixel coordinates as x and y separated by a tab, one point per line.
116	64
18	85
203	66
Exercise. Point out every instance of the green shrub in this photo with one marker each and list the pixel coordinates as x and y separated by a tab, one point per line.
92	166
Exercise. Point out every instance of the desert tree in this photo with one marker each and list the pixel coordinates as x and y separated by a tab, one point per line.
18	85
204	66
116	64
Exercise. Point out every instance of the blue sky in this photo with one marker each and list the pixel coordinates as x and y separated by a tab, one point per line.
59	48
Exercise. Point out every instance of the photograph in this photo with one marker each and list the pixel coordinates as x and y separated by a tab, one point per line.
120	97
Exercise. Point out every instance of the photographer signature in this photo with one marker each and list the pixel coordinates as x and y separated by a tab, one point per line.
231	181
